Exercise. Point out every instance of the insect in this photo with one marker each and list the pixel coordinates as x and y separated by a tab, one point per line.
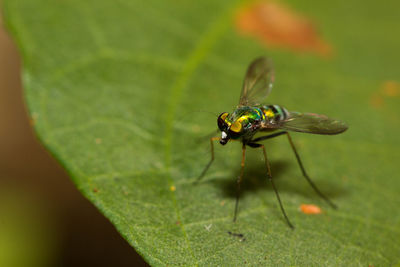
253	116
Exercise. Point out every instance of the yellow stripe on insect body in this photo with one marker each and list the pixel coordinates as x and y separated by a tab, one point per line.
269	113
224	117
236	126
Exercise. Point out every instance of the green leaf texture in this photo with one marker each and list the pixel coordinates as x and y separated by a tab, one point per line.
124	93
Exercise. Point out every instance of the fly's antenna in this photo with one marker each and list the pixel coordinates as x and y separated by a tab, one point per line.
189	113
187	120
208	136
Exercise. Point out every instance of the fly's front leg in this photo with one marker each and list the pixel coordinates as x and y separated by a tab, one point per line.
239	181
212	139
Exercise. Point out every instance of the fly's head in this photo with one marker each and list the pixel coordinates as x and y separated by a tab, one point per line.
234	127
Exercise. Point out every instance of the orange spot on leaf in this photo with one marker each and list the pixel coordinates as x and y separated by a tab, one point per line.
387	89
276	25
310	209
391	88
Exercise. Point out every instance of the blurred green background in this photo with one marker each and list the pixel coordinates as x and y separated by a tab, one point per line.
44	220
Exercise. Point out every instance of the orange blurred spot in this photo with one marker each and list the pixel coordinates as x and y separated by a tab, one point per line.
391	88
310	209
172	188
387	89
276	25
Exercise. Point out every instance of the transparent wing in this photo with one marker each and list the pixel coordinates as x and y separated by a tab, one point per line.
257	82
312	123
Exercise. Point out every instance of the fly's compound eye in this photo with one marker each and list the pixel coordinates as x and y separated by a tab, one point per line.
221	121
236	129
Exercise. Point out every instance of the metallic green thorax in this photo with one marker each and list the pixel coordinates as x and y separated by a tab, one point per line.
246	115
245	121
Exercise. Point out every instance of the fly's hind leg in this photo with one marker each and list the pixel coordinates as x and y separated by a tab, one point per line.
300	164
255	145
308	177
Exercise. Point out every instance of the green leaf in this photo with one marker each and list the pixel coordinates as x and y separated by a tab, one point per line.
121	93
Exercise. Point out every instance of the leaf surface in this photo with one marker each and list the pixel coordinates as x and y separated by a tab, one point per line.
121	93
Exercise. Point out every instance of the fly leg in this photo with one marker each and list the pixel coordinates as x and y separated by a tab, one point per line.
239	181
255	145
300	164
212	139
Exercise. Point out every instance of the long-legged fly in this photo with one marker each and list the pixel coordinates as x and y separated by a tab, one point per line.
253	116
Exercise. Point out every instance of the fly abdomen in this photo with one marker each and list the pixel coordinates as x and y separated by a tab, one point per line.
275	113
